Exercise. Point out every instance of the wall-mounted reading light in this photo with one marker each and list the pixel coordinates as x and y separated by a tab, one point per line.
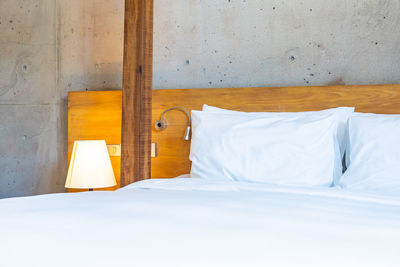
162	124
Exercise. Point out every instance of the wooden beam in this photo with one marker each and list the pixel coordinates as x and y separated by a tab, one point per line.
137	92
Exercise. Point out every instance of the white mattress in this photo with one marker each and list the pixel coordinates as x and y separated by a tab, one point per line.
193	222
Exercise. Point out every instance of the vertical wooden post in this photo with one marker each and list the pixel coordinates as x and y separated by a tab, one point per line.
137	92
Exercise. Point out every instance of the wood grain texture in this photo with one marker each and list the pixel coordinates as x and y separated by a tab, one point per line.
173	151
137	86
95	116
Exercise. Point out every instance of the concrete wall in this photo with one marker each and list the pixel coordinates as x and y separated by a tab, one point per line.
48	48
280	43
29	99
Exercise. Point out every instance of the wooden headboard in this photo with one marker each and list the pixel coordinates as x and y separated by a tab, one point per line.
97	114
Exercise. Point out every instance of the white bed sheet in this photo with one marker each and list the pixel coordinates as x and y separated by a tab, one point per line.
194	222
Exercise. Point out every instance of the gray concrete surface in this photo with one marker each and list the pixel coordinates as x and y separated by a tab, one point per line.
29	99
48	48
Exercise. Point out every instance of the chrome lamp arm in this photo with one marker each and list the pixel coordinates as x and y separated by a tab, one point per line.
162	124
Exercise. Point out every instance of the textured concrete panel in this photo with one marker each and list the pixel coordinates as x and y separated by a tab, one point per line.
236	43
91	44
275	43
28	22
28	52
28	74
29	121
28	150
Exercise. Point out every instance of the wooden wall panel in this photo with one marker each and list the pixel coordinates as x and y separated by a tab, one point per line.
95	116
173	151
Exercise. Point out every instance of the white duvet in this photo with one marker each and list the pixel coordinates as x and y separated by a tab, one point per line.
193	222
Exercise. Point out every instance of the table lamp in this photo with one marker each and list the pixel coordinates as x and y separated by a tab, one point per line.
90	166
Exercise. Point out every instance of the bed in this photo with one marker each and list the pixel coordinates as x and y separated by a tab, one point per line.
188	221
192	222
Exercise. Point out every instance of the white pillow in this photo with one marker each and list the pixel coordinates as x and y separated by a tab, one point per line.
290	151
342	113
373	156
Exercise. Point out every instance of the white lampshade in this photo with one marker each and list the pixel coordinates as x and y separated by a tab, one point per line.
90	166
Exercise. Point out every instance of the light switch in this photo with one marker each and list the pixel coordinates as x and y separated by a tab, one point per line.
114	150
153	150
